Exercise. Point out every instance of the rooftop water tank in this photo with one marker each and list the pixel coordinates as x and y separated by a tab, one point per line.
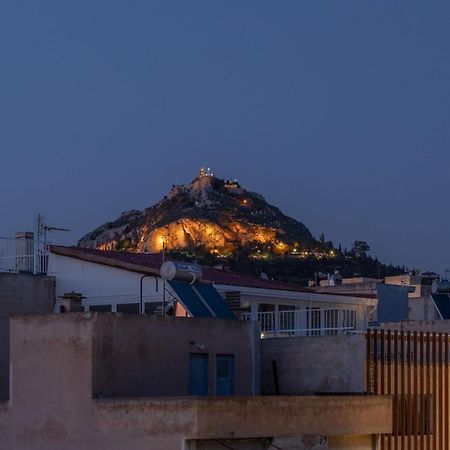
181	271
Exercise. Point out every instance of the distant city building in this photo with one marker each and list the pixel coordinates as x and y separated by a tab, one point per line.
391	301
421	306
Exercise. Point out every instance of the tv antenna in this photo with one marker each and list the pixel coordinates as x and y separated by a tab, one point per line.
43	228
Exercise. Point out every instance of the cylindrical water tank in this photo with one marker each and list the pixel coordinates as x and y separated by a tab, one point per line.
181	271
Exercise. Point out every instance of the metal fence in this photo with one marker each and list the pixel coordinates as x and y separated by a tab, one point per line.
413	367
305	322
23	255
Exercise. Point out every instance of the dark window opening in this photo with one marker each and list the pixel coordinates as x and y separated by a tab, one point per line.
153	308
100	308
129	308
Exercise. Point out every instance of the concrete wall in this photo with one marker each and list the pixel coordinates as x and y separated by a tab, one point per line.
361	442
422	308
167	423
51	365
313	364
51	407
149	356
171	423
20	294
25	294
303	442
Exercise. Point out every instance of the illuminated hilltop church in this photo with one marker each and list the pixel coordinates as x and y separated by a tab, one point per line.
229	184
205	172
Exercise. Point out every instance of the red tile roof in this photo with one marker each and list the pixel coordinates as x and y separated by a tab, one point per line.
151	262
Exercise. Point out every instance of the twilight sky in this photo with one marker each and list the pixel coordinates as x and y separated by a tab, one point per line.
337	112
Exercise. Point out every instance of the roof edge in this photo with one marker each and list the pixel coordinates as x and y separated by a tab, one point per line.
73	252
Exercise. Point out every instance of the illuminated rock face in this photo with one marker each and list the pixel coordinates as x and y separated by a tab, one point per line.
214	215
186	233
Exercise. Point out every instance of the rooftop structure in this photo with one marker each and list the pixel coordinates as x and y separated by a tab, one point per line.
421	305
107	381
392	301
110	281
20	293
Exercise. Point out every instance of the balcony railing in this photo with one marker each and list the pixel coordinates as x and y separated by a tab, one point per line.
305	322
23	255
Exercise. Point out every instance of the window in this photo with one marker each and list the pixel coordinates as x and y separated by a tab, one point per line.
130	308
266	307
198	374
233	299
225	374
100	308
153	308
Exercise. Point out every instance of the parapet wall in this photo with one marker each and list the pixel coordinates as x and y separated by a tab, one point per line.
325	364
24	293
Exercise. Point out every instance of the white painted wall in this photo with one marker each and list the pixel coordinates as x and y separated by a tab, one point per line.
105	285
100	284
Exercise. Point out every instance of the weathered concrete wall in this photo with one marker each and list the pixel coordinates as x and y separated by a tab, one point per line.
26	294
238	418
4	419
313	364
4	358
422	308
149	356
51	383
361	442
303	442
20	294
167	423
235	444
51	406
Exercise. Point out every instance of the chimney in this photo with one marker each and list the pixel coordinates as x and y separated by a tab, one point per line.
72	302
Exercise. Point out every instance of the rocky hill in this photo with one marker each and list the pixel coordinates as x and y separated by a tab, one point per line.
214	221
209	214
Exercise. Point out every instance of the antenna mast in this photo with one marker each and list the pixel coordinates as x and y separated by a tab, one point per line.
43	228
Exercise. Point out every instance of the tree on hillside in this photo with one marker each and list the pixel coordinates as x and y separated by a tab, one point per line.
360	249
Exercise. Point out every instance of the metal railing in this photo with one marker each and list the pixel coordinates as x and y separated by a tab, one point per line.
23	255
305	322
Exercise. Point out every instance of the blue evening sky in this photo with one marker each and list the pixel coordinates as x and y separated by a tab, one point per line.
337	111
